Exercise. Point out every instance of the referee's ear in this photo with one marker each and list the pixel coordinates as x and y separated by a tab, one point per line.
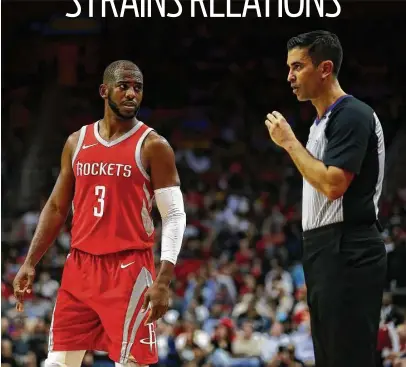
326	68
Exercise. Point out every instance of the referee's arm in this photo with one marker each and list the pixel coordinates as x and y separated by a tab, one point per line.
348	135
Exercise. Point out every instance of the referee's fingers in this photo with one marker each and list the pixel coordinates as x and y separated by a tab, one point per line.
277	114
271	117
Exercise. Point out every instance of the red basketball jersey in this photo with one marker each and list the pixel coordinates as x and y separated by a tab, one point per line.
113	194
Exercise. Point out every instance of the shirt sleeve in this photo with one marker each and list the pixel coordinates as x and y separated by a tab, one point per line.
348	134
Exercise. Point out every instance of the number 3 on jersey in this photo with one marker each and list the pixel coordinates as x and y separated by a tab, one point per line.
100	192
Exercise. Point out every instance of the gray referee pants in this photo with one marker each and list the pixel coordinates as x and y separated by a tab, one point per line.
345	270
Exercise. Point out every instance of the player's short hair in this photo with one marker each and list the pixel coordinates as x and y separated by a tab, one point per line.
321	45
109	76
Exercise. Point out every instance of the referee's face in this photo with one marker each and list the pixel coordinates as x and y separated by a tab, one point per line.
304	78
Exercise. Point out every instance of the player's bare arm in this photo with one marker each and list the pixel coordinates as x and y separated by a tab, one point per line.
331	181
51	220
159	159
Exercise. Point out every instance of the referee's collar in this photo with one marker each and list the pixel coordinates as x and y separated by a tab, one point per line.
317	120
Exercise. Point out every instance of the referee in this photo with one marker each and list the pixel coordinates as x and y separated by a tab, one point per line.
344	257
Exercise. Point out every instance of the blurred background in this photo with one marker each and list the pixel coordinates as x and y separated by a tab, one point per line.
239	298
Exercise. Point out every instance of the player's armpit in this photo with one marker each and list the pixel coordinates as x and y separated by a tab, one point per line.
158	157
62	194
337	183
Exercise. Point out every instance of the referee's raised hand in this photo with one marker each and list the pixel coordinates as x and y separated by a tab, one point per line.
280	131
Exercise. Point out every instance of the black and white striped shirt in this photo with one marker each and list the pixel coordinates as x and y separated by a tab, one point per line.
348	136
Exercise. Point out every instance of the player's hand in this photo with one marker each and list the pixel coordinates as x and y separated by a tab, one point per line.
157	297
279	130
23	283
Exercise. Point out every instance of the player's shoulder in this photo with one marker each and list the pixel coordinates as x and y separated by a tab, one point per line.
156	146
156	141
73	139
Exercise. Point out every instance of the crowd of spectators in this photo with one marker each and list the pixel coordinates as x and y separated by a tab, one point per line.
239	298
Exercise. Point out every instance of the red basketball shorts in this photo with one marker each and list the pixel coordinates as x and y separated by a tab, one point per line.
98	306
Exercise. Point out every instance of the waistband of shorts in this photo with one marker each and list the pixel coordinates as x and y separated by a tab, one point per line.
340	226
324	229
117	253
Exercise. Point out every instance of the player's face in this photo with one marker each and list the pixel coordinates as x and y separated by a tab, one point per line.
304	77
125	96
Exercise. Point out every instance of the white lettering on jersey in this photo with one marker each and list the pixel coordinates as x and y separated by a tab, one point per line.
127	169
110	170
103	169
86	169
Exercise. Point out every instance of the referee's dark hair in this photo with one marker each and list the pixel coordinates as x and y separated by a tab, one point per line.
321	45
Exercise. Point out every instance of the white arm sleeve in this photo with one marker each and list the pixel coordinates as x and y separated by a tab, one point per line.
169	201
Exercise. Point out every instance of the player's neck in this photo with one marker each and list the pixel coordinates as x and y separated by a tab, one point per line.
112	125
331	94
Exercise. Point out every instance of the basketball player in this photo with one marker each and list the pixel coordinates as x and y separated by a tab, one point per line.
109	297
342	165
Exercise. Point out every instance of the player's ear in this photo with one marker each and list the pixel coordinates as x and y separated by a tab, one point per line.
326	68
104	91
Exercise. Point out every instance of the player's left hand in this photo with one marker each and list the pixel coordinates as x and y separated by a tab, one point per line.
279	130
157	297
23	284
